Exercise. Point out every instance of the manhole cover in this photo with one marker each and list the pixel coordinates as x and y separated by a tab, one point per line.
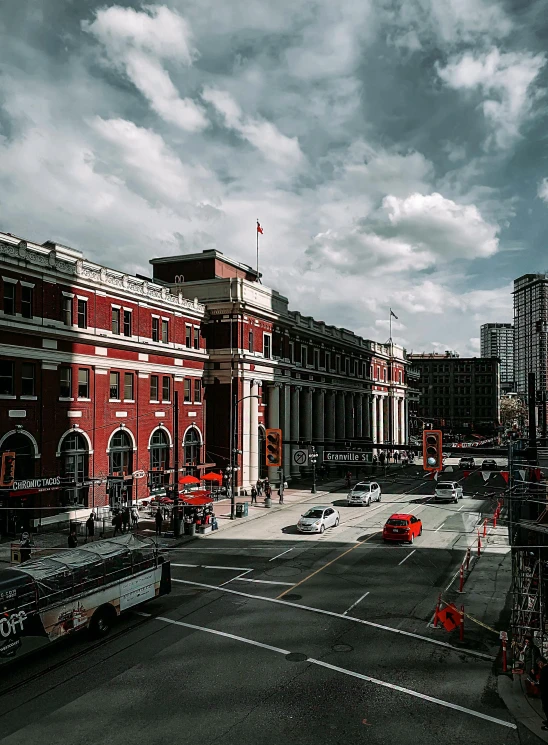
296	657
342	648
293	596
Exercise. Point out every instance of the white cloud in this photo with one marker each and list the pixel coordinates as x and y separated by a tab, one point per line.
263	135
542	191
136	42
504	80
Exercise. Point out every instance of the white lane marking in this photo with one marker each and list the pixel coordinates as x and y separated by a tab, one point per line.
439	527
339	615
233	579
235	569
337	669
194	566
283	552
410	692
406	557
262	581
460	508
356	603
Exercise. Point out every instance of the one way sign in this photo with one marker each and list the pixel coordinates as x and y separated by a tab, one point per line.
450	617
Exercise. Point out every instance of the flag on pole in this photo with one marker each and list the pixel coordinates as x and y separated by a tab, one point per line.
259	229
393	314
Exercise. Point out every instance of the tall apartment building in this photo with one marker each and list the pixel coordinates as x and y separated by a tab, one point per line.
497	340
461	395
530	330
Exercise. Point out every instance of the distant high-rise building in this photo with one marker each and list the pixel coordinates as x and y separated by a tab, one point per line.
497	340
530	330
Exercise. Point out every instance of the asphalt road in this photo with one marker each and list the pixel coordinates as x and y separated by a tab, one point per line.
272	637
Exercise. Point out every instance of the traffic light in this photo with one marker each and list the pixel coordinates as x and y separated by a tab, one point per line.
432	456
7	474
274	448
312	457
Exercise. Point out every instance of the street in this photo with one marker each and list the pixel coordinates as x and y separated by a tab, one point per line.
271	636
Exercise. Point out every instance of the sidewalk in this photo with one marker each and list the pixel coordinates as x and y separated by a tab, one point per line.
47	542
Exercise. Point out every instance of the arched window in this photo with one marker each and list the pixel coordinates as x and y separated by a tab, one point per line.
23	447
121	454
191	450
75	468
159	456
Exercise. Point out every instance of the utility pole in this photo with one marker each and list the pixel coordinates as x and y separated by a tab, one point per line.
176	520
313	457
233	459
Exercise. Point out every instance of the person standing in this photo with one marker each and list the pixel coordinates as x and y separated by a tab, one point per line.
253	495
159	521
134	517
125	520
259	487
382	457
26	547
90	527
72	538
117	522
281	493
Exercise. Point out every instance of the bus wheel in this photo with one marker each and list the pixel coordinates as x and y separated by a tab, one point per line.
102	621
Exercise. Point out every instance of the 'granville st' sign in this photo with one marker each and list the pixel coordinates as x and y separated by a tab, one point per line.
343	456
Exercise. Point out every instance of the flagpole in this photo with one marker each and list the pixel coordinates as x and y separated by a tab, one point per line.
390	322
257	231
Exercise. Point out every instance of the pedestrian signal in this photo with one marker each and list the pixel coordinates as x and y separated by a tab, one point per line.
274	448
7	472
432	457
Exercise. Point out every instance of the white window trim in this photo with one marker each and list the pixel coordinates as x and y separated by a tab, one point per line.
65	398
116	307
153	315
28	284
153	402
83	399
165	402
7	396
28	398
67	294
115	400
82	297
10	280
129	400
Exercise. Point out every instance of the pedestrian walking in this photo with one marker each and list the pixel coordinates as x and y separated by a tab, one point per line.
268	490
72	538
259	487
26	547
281	493
382	457
134	517
125	520
253	495
396	457
90	527
159	521
543	685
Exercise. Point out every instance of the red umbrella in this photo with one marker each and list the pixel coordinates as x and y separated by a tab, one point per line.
212	477
189	480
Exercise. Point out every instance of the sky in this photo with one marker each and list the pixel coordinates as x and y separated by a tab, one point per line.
393	151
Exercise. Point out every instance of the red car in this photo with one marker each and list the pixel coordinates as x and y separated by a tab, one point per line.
402	528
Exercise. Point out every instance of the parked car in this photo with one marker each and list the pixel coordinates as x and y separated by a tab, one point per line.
489	465
448	491
467	462
402	528
364	493
317	519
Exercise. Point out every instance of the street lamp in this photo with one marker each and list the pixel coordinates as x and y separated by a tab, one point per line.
234	451
312	458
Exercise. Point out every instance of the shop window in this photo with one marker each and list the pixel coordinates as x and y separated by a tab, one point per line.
75	465
82	314
83	383
191	448
28	372
166	388
26	301
65	382
9	298
154	387
155	329
114	386
159	454
128	387
7	383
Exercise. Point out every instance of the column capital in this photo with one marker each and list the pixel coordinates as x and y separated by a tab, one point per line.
296	387
275	384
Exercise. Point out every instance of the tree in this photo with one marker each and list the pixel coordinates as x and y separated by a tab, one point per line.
512	410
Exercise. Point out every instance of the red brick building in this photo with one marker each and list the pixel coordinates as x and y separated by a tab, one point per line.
90	360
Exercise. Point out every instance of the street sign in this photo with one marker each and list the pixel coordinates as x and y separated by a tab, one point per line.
346	456
300	457
504	636
449	617
138	474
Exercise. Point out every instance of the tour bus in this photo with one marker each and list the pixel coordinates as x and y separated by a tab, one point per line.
88	587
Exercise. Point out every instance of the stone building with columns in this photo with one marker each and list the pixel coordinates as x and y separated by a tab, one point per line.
270	366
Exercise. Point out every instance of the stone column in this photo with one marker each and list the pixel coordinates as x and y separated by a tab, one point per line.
358	399
254	433
405	422
285	425
349	416
295	429
340	432
318	424
329	407
306	414
273	421
386	418
374	429
380	423
246	440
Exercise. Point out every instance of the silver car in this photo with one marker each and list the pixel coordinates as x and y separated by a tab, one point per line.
364	493
448	491
317	519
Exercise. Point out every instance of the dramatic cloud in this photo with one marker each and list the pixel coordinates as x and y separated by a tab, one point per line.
504	80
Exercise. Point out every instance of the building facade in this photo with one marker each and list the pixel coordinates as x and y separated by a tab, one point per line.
92	360
273	367
460	395
531	330
497	340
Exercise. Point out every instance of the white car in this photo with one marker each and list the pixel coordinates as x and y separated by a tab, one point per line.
448	491
364	493
317	519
